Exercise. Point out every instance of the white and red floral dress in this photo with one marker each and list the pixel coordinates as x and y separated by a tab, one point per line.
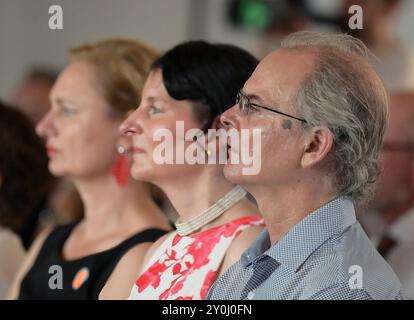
185	267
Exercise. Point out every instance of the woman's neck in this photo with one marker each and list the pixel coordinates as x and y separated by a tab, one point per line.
191	196
110	207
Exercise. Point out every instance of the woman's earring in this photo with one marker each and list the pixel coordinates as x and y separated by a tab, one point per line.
206	151
120	169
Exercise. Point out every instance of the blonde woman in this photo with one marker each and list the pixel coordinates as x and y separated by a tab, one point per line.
98	256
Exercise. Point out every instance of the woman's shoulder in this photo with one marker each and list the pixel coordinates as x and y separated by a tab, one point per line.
29	261
42	243
11	247
241	242
40	240
9	241
130	265
158	245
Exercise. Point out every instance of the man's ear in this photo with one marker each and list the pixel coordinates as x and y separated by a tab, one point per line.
318	143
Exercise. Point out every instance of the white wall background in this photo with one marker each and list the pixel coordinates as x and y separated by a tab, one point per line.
26	40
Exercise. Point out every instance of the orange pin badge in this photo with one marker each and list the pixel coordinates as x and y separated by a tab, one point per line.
80	278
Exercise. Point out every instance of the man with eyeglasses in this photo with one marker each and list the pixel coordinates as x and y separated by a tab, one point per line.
390	218
322	112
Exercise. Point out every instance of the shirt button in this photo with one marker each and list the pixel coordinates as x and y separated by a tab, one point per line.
250	295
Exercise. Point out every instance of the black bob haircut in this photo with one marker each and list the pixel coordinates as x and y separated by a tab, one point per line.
210	74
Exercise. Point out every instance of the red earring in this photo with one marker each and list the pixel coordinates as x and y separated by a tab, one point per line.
120	170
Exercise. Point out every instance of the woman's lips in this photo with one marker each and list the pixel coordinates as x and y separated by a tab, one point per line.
136	150
51	151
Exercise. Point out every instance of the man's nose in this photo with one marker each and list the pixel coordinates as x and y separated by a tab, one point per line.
228	118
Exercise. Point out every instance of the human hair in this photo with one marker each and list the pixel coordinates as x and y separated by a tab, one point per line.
344	94
122	65
25	179
207	74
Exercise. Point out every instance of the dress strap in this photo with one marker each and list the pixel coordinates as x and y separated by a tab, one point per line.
111	257
148	235
55	240
160	250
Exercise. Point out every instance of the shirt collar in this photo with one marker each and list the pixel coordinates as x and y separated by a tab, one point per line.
306	236
258	247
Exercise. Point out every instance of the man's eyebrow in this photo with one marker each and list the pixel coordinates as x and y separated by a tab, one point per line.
252	96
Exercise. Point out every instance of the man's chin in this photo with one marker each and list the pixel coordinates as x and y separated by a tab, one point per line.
140	175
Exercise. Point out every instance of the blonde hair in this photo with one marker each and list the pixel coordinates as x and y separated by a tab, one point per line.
122	65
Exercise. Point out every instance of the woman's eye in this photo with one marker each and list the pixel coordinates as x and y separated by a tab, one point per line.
67	111
154	110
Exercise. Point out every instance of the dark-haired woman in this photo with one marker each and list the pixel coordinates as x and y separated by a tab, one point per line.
189	87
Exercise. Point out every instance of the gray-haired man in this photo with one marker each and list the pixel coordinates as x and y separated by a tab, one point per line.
322	111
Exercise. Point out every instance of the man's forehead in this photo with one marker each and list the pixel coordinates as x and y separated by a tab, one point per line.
280	72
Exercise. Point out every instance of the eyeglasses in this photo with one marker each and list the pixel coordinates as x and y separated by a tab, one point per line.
246	106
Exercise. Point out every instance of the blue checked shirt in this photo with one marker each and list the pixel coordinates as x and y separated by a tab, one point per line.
327	255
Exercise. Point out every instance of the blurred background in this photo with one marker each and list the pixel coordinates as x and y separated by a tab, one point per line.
26	41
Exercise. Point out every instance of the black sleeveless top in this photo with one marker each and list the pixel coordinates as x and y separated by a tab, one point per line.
52	277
